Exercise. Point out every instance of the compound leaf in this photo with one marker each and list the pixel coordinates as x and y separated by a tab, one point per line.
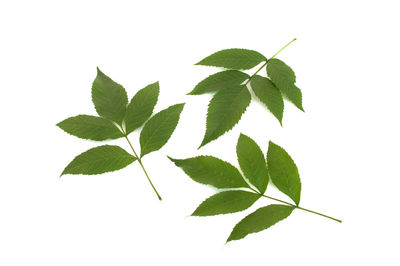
252	162
211	171
109	98
233	59
284	78
141	107
283	172
157	131
226	202
269	95
90	127
99	160
219	81
225	110
259	220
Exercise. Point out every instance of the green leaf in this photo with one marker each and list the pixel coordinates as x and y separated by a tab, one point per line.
226	202
284	79
225	110
293	94
157	131
90	127
252	162
109	98
283	172
219	81
259	220
141	107
234	59
211	171
269	95
99	160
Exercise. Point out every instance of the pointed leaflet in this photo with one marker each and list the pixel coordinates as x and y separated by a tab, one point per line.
252	162
211	171
259	220
269	95
141	107
234	59
218	81
226	202
99	160
283	172
90	127
159	129
294	95
225	110
109	98
284	78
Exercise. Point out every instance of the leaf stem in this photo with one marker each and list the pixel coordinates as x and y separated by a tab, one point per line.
258	70
141	164
266	61
295	206
283	48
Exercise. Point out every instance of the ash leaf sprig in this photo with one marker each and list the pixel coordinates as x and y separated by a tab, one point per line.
239	193
118	118
232	95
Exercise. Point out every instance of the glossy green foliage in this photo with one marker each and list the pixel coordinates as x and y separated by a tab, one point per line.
109	98
226	202
220	174
159	129
90	127
225	110
141	107
233	59
283	172
284	79
220	80
252	162
269	95
211	171
232	88
259	220
99	160
118	119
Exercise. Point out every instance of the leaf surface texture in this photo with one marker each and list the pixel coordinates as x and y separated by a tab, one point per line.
225	110
211	171
233	59
90	127
219	81
141	107
226	202
252	162
269	95
261	219
157	131
283	172
99	160
109	98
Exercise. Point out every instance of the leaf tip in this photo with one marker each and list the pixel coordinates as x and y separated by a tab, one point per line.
171	159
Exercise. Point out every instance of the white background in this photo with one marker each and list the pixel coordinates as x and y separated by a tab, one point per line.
346	143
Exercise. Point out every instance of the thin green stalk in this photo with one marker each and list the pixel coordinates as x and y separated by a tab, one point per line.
141	164
283	48
266	61
295	206
258	70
